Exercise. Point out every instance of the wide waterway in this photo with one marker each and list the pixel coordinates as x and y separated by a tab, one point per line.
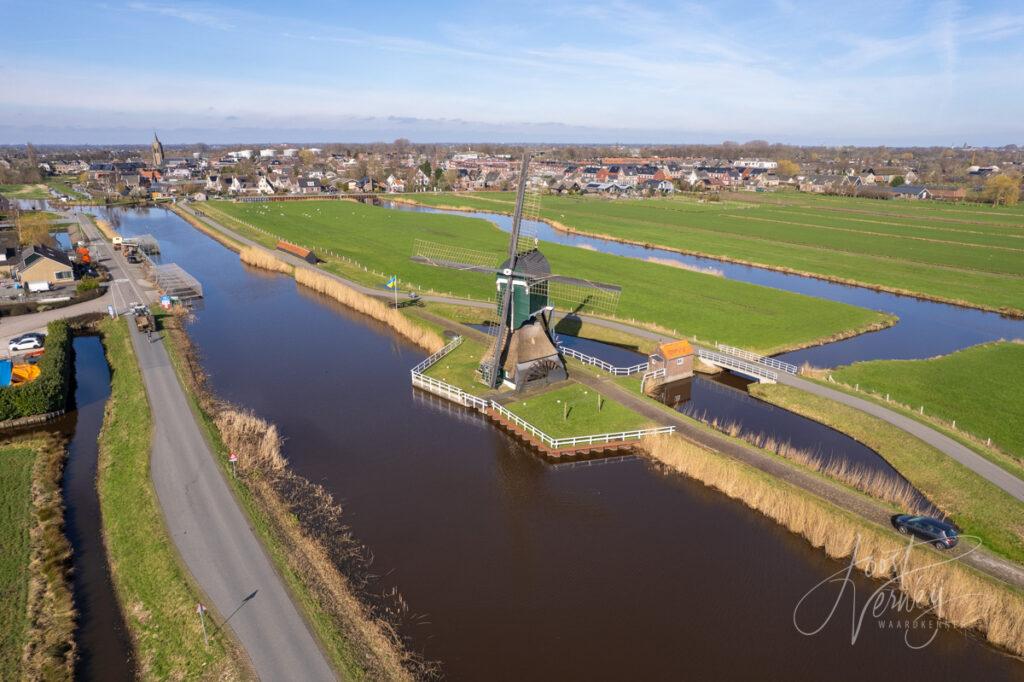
925	328
514	569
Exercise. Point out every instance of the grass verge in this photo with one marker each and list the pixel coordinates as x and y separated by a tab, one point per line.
156	594
981	388
975	504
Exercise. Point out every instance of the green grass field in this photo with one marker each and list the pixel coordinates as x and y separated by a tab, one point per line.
573	411
15	519
458	368
33	191
969	253
63	185
981	387
712	308
976	505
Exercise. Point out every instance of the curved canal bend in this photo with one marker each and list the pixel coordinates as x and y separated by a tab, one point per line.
925	328
521	570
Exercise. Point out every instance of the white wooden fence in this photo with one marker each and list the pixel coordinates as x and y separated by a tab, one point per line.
574	441
601	364
441	388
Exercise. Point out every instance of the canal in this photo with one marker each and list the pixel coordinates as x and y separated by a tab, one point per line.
104	646
514	569
925	328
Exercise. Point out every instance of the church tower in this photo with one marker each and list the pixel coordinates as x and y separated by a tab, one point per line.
158	151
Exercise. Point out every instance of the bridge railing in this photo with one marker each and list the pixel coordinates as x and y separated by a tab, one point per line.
573	441
601	364
653	374
732	362
759	359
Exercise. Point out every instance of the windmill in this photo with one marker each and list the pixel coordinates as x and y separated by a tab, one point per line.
522	350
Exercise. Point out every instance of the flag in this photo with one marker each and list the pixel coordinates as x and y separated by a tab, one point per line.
393	282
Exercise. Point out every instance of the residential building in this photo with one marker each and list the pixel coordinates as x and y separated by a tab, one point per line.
41	263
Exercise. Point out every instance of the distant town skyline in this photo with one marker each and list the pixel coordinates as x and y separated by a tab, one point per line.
935	73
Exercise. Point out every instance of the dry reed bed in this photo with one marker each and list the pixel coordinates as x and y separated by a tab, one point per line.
308	524
49	652
106	228
874	483
368	305
347	296
261	258
955	593
216	235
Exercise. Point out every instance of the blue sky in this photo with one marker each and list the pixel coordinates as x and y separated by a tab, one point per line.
835	73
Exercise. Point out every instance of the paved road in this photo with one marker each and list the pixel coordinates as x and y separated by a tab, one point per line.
970	459
209	529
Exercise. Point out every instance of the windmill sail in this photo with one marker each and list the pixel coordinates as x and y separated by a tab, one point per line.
582	295
455	257
526	292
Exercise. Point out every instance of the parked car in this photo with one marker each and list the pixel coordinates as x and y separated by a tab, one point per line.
940	534
28	341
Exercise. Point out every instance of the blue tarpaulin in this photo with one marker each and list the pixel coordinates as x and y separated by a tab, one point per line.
5	372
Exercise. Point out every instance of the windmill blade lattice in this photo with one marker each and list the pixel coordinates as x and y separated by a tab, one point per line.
457	257
580	295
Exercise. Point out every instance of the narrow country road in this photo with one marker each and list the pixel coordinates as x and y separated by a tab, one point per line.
210	531
962	454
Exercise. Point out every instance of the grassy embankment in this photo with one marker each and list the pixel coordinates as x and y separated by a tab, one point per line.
576	410
981	388
958	594
37	616
300	525
29	191
973	503
712	308
970	255
156	594
63	185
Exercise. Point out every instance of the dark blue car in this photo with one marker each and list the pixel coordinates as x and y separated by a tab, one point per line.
940	534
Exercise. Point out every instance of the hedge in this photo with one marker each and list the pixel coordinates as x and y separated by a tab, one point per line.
49	392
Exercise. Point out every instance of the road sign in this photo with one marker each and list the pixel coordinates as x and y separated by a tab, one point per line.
232	458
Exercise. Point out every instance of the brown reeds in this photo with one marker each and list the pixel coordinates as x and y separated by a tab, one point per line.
261	258
106	228
370	306
49	651
955	593
874	483
685	266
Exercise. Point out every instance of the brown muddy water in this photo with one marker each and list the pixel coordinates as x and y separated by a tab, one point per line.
515	569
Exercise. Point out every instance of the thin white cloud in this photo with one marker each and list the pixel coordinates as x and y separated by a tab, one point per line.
194	15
